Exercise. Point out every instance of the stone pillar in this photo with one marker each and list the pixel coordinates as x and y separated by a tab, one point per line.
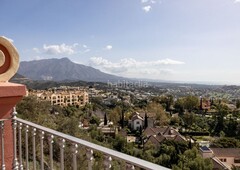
10	94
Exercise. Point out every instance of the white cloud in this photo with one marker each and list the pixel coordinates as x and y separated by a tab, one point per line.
75	44
36	50
167	62
99	61
237	1
9	39
151	71
108	47
86	50
148	4
59	49
147	8
131	67
62	49
37	58
144	1
153	1
148	1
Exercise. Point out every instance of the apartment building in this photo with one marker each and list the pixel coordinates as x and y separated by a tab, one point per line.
64	97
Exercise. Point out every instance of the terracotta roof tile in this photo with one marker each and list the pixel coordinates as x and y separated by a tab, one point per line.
226	152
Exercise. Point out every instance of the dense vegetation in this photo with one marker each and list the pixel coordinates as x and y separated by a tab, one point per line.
191	120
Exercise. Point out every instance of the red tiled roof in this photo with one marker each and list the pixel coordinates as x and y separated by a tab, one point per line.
170	131
156	139
153	131
226	152
135	117
158	135
219	163
179	138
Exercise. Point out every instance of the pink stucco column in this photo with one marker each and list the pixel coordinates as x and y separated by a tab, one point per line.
10	95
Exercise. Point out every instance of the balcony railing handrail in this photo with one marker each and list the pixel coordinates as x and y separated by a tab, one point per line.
115	154
2	120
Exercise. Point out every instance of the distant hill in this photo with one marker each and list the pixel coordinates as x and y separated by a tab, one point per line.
63	70
18	76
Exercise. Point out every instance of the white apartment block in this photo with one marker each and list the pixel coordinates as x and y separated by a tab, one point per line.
64	97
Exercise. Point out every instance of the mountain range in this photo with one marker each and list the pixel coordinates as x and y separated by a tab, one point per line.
35	73
63	70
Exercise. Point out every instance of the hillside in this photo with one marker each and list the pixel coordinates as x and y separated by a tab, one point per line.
62	70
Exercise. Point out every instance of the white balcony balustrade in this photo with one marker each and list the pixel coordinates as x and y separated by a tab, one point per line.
38	147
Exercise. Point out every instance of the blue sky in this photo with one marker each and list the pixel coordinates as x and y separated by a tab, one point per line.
177	40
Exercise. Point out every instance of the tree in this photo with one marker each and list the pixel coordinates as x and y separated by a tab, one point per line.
140	131
119	143
105	119
141	103
115	114
189	119
225	142
212	102
179	106
97	103
234	167
222	111
96	133
70	111
168	152
122	119
124	108
166	101
231	127
95	120
146	120
191	159
191	103
201	103
68	126
238	103
37	111
160	115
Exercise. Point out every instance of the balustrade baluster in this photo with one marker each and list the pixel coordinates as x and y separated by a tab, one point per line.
74	155
26	146
129	166
3	167
89	154
50	141
14	125
107	162
20	145
130	162
62	146
41	148
34	147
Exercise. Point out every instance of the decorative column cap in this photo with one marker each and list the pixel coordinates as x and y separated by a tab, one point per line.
9	60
